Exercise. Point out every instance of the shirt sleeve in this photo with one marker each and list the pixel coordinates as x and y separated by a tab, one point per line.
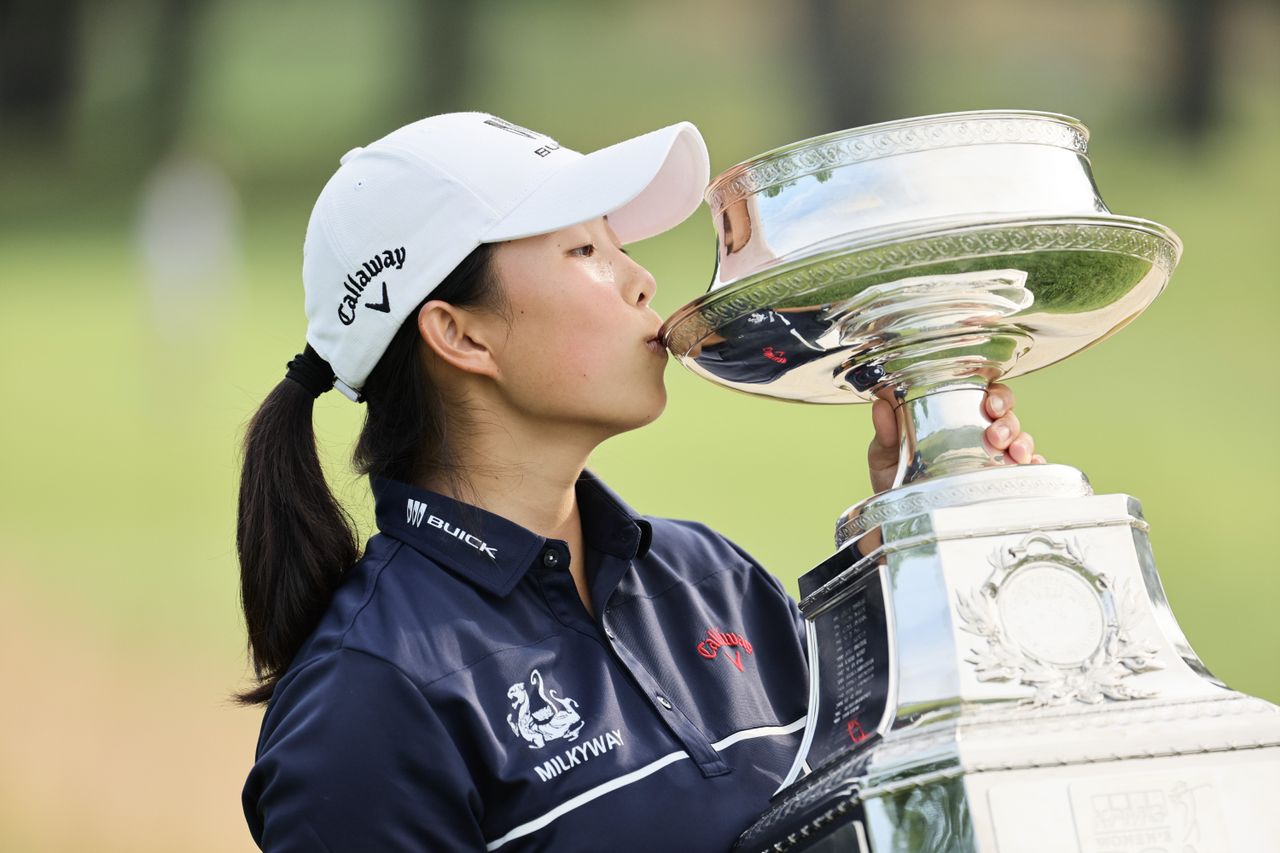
352	757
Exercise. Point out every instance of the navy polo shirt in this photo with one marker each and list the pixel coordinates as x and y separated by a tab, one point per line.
457	695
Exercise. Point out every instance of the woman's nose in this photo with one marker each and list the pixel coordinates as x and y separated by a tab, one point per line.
640	286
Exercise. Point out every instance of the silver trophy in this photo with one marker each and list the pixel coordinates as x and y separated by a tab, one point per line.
993	662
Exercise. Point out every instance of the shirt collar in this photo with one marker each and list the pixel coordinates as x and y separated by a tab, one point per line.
491	551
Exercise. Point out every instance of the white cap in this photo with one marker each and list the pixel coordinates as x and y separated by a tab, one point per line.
400	213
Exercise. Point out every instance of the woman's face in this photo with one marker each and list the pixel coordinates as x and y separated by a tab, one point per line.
582	348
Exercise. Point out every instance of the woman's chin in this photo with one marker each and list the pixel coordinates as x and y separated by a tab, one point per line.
656	413
659	404
642	416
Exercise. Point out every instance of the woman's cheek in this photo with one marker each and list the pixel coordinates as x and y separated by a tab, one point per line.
574	362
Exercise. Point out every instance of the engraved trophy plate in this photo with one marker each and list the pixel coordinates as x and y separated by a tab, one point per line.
1048	621
993	662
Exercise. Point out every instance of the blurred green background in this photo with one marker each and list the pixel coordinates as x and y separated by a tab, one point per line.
159	163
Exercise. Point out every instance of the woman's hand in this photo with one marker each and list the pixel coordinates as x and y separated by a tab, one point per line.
1004	434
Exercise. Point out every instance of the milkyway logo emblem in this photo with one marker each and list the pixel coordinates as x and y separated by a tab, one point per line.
550	717
541	716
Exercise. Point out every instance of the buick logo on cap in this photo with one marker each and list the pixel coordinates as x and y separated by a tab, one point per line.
503	124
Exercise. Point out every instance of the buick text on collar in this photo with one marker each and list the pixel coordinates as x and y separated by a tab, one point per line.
416	513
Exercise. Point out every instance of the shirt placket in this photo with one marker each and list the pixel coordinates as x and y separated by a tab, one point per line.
552	570
692	738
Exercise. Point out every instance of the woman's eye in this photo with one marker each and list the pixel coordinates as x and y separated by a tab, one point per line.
587	250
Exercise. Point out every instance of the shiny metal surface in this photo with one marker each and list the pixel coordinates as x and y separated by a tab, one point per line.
931	170
979	235
1042	695
794	331
906	259
993	663
1013	482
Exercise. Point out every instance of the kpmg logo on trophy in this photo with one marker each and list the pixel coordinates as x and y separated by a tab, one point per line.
994	665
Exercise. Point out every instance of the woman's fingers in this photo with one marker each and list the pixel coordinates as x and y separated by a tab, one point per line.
1003	431
886	425
1004	435
999	400
1023	449
882	453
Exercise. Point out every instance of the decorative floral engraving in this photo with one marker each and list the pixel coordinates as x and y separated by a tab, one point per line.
828	153
1053	624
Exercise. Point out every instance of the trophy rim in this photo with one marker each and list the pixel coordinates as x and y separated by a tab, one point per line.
739	291
715	189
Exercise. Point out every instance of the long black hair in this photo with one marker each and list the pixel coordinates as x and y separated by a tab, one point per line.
295	541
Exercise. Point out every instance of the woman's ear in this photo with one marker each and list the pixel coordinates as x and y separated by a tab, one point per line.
459	337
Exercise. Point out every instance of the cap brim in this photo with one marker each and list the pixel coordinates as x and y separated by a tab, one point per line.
645	185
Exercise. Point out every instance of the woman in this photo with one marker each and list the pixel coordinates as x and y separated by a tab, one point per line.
518	660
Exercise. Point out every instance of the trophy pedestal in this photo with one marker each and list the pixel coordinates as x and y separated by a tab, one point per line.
1006	675
1169	804
993	662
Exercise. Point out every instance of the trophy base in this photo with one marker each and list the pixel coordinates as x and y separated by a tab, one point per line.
1189	802
1007	676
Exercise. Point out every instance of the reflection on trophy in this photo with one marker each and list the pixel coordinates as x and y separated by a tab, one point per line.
993	663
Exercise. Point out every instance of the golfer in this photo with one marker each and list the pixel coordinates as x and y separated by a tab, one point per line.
517	659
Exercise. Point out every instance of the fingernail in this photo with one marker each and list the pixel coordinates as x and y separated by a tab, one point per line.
997	405
1002	433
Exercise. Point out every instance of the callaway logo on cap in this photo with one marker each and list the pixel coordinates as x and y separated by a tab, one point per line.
402	212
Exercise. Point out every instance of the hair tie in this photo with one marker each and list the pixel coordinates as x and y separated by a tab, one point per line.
310	371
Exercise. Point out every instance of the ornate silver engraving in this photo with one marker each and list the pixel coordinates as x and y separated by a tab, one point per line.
1053	624
824	153
892	507
1073	721
715	310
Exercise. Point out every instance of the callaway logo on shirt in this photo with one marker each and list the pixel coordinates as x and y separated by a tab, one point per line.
732	644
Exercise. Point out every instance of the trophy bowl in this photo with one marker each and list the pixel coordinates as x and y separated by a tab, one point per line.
917	261
965	245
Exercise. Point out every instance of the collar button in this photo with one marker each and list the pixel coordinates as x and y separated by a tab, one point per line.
550	558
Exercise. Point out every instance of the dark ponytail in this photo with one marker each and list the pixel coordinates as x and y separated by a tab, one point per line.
294	539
